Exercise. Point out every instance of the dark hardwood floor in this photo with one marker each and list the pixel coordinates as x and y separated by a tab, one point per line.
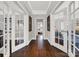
36	50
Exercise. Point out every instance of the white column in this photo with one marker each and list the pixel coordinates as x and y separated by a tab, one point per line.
52	30
8	36
33	28
13	33
26	29
46	37
44	28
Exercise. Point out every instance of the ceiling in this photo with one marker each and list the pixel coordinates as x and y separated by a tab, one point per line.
32	7
42	7
39	5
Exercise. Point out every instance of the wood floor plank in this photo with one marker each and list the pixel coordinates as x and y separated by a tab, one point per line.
34	50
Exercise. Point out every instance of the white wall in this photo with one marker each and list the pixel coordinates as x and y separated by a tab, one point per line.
26	30
52	30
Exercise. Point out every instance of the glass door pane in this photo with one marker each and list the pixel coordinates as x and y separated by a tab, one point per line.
61	40
56	31
19	30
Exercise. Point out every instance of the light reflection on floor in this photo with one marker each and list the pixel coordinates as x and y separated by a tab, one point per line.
40	41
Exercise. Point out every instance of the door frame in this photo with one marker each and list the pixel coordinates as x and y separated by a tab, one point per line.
71	24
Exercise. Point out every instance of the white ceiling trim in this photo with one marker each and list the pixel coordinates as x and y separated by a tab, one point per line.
26	7
30	5
57	6
49	5
20	5
12	9
63	6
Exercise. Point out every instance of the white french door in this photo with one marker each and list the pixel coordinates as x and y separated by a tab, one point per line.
59	30
74	28
20	31
17	32
67	31
61	35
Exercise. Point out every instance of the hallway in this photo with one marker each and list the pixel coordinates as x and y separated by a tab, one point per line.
22	22
32	50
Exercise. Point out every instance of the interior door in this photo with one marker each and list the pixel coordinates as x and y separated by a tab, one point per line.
61	30
17	32
61	35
